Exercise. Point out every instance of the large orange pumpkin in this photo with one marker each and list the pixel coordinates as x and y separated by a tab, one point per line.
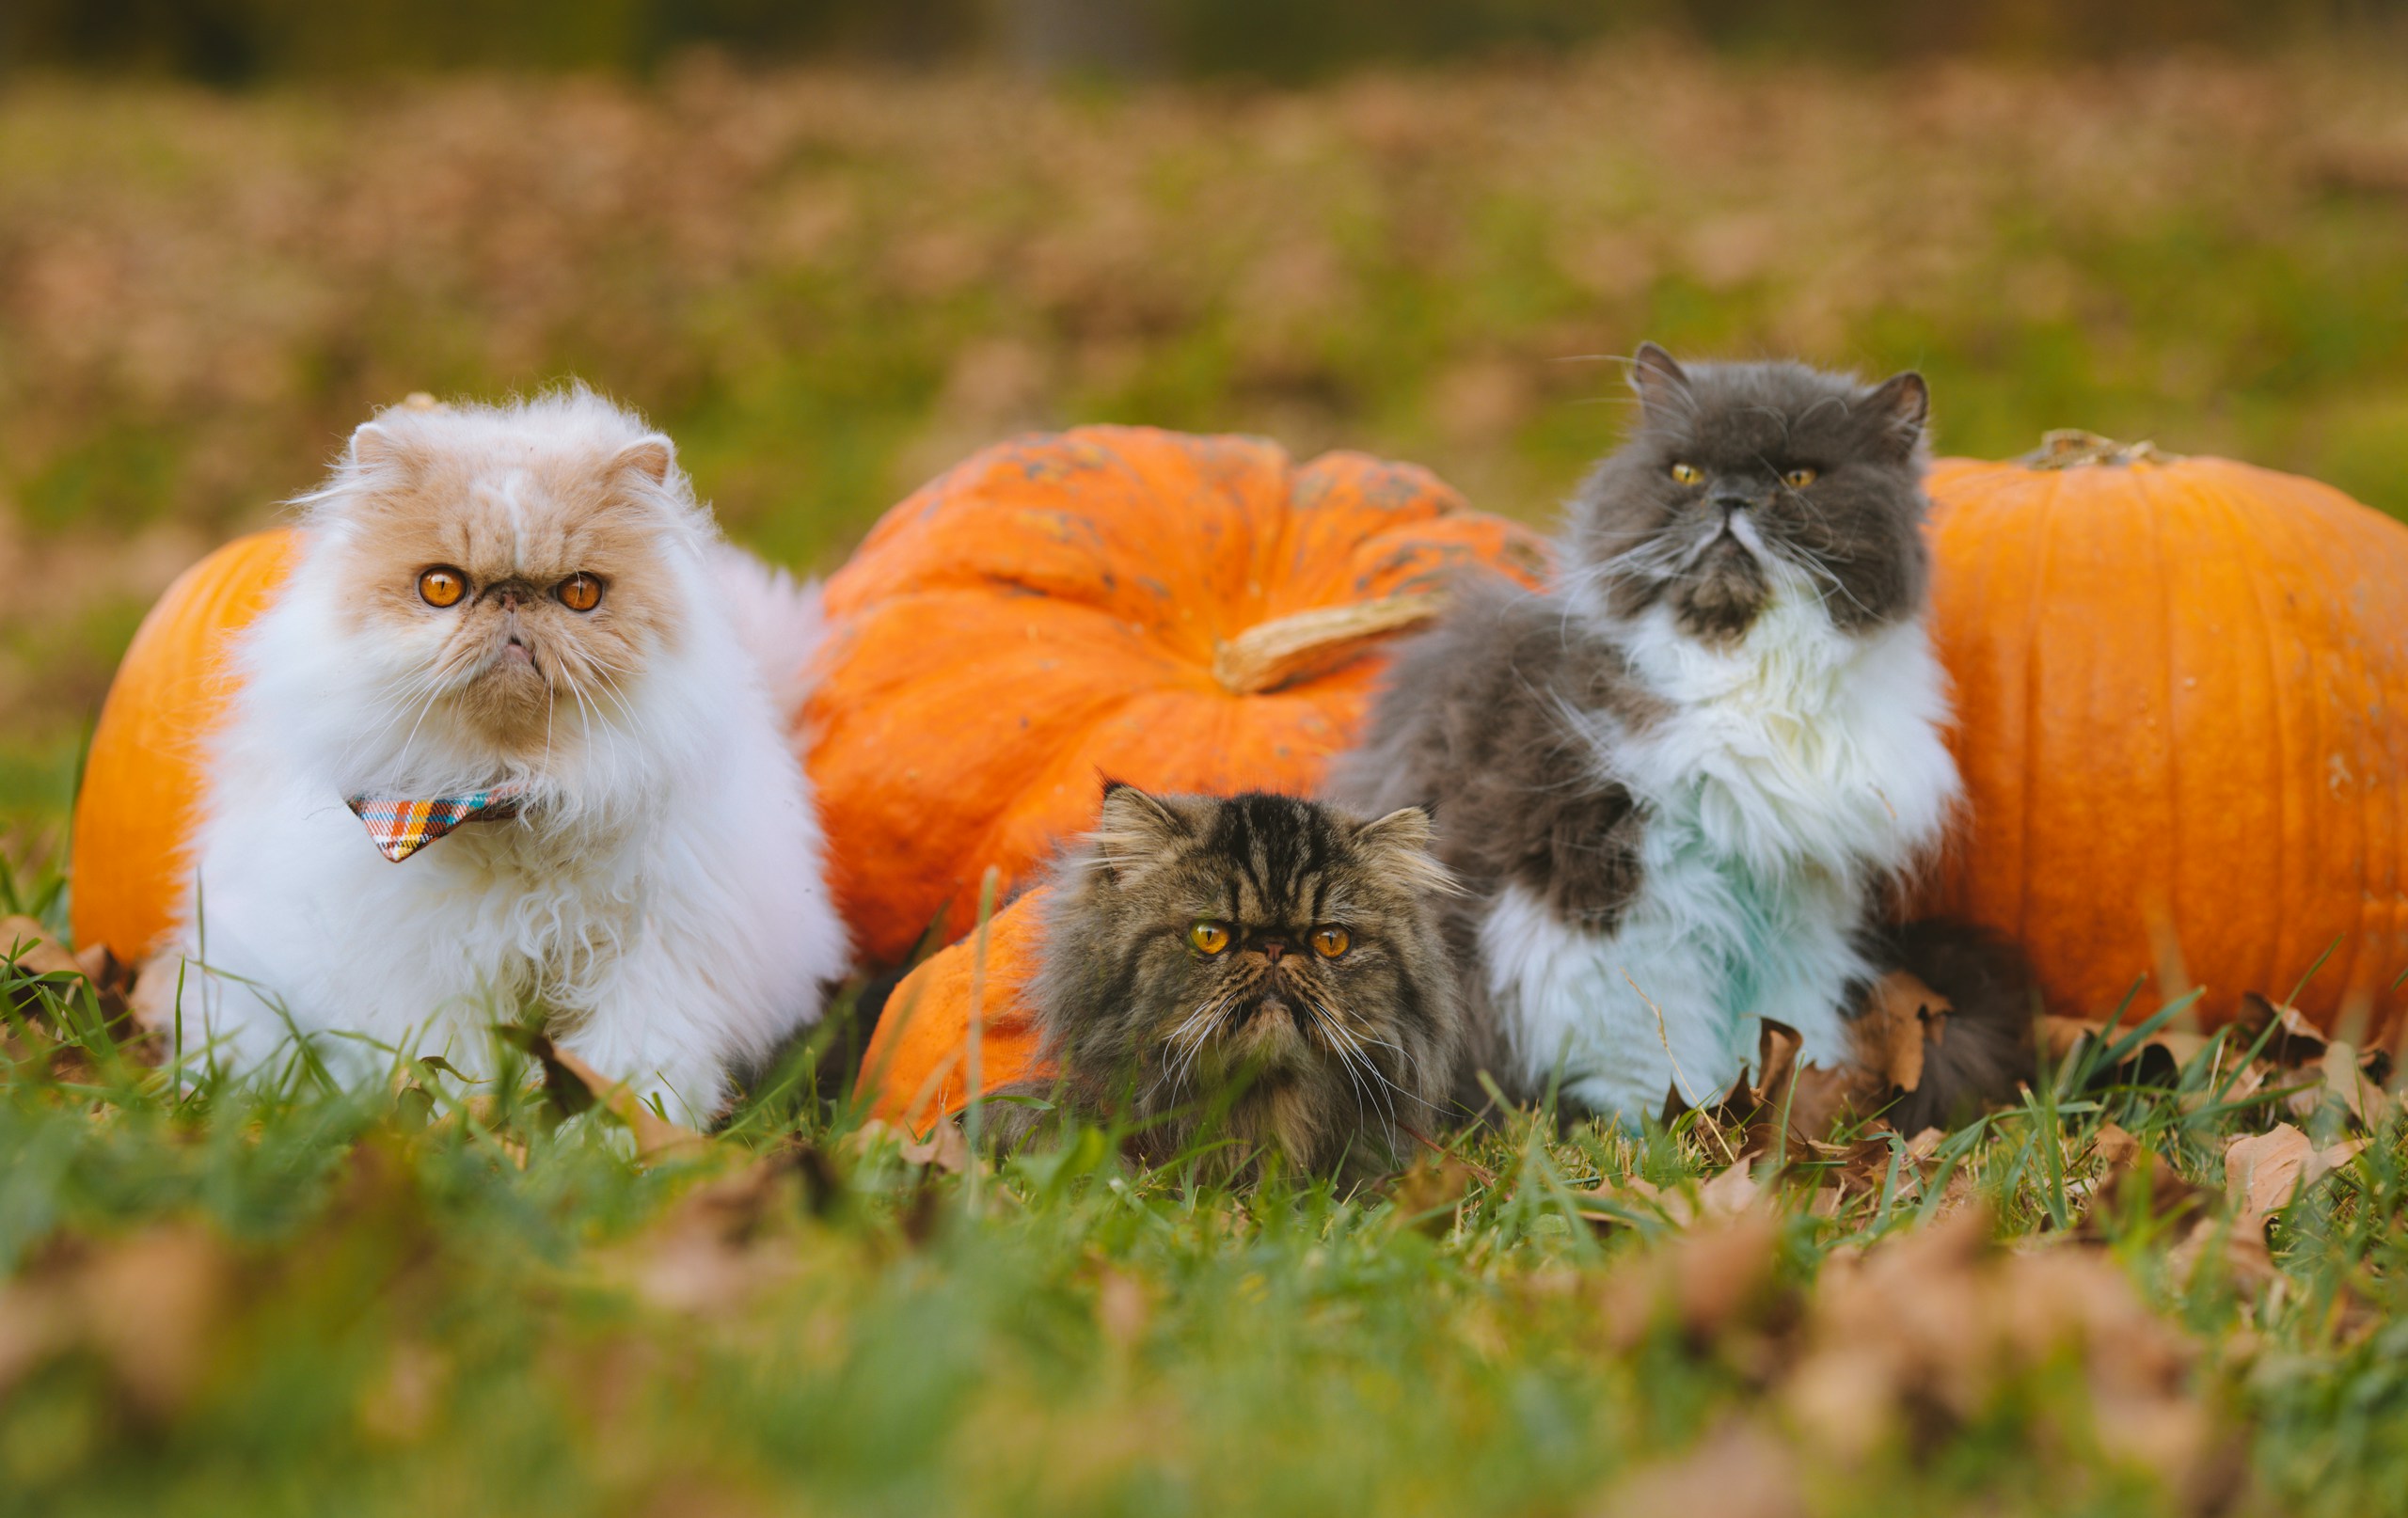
1186	613
142	779
916	1069
2183	695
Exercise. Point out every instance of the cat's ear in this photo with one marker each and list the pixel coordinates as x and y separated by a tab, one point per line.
1901	405
1135	830
373	448
1407	827
1399	845
650	456
1662	384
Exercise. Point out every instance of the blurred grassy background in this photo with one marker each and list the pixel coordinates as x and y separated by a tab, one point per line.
833	247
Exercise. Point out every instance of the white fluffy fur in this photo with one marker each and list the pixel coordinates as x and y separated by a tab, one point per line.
1796	774
662	897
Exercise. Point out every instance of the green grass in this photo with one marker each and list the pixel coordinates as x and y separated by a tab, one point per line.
829	286
430	1299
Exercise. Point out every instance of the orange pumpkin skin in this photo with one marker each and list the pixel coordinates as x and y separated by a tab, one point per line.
142	779
916	1070
1050	612
2180	687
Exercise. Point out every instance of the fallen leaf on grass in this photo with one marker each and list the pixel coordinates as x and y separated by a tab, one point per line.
2264	1170
574	1086
2345	1078
944	1147
29	945
1704	1280
2263	1174
2115	1147
1926	1331
1431	1192
1901	1016
149	1307
723	1243
2157	1060
1123	1307
1740	1470
1785	1105
2291	1039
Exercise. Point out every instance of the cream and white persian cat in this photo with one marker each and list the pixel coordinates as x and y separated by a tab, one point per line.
518	616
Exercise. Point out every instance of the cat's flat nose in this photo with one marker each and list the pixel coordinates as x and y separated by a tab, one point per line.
1272	948
1731	501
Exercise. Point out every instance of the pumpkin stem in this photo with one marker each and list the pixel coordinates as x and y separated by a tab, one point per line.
2070	447
1285	650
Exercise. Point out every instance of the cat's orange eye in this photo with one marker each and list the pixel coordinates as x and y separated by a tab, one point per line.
1331	942
1687	474
441	585
1798	479
579	593
1209	937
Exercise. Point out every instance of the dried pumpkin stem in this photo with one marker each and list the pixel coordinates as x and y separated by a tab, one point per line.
2070	447
1288	649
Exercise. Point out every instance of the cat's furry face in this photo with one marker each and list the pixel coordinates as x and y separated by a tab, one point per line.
1268	963
509	575
1748	480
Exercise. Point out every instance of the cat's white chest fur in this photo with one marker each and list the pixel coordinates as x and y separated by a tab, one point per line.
1791	776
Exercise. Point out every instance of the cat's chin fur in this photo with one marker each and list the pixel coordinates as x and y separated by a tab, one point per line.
660	901
1790	774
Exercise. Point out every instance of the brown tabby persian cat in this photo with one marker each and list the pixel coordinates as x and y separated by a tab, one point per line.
1258	968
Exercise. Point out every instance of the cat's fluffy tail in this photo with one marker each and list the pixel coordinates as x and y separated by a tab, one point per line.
778	619
1981	1050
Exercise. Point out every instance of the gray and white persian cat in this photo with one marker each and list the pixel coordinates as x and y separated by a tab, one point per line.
1255	968
1676	787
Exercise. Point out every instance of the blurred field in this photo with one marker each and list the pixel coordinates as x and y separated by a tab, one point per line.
828	285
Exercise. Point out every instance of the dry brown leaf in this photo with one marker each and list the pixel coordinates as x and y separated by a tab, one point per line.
2263	1172
400	1405
1926	1329
149	1307
2115	1148
1703	1279
2341	1076
656	1137
1900	1017
1740	1470
1123	1307
2296	1041
945	1147
1733	1193
1813	1098
721	1245
2158	1059
1431	1190
33	950
2146	1180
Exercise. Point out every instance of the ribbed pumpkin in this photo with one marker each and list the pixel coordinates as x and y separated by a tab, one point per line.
916	1069
1186	613
142	779
2182	686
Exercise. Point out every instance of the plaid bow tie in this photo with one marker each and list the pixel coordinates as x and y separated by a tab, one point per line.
402	827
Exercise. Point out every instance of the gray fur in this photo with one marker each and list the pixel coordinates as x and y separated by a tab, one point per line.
1267	1043
1480	724
1502	720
